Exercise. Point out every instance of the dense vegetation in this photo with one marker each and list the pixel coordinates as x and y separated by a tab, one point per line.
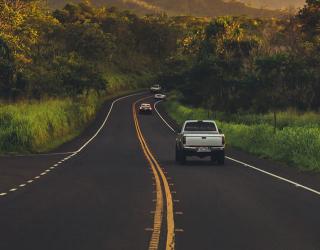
236	64
33	127
56	67
76	49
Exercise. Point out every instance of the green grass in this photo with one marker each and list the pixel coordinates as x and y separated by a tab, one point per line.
297	144
287	118
41	126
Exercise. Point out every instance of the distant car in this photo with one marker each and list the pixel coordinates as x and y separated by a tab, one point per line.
145	108
160	96
155	88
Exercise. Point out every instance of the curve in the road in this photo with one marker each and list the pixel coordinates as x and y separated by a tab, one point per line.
157	171
72	154
155	238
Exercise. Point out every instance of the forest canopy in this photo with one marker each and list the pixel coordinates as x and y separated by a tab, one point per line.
236	64
228	63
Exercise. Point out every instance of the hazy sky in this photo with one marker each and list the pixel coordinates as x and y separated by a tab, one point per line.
275	4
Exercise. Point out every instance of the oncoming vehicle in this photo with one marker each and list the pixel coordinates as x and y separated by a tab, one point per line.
145	108
160	96
202	139
155	88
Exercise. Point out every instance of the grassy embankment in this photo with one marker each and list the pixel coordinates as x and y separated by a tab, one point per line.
42	126
296	142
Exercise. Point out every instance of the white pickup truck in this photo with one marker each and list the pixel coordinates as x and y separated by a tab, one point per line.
202	139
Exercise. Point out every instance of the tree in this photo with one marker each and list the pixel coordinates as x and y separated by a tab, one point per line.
309	17
7	70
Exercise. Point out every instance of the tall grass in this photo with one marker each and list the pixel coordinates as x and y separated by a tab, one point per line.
41	126
296	145
287	118
37	127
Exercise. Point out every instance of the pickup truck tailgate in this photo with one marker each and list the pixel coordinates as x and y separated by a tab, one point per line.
204	140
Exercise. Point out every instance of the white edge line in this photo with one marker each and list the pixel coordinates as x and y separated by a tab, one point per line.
155	108
104	122
44	154
275	176
248	165
80	149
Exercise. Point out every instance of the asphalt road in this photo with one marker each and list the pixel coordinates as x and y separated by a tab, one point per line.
123	190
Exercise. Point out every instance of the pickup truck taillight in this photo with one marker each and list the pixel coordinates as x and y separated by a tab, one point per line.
183	139
223	140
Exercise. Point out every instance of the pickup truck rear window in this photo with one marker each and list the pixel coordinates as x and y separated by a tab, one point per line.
200	126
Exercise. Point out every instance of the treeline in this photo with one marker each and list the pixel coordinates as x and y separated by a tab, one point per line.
230	64
239	64
77	49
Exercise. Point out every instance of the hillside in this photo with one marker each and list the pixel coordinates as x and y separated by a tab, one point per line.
182	7
275	4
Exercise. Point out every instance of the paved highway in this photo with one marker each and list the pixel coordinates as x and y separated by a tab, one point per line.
118	187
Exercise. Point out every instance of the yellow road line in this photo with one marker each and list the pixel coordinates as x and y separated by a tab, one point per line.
170	241
155	238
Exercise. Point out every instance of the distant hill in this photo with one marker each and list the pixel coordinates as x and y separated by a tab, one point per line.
275	4
210	8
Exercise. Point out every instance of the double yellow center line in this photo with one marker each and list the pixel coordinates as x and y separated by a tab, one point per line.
159	177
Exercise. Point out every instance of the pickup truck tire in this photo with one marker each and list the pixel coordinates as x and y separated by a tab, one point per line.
180	156
177	155
221	157
213	158
183	158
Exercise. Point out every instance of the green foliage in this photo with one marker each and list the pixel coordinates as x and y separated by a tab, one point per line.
35	127
309	18
57	67
293	144
289	118
235	64
7	69
72	51
41	126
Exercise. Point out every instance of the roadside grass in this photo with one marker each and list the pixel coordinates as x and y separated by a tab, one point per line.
27	127
297	143
289	118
